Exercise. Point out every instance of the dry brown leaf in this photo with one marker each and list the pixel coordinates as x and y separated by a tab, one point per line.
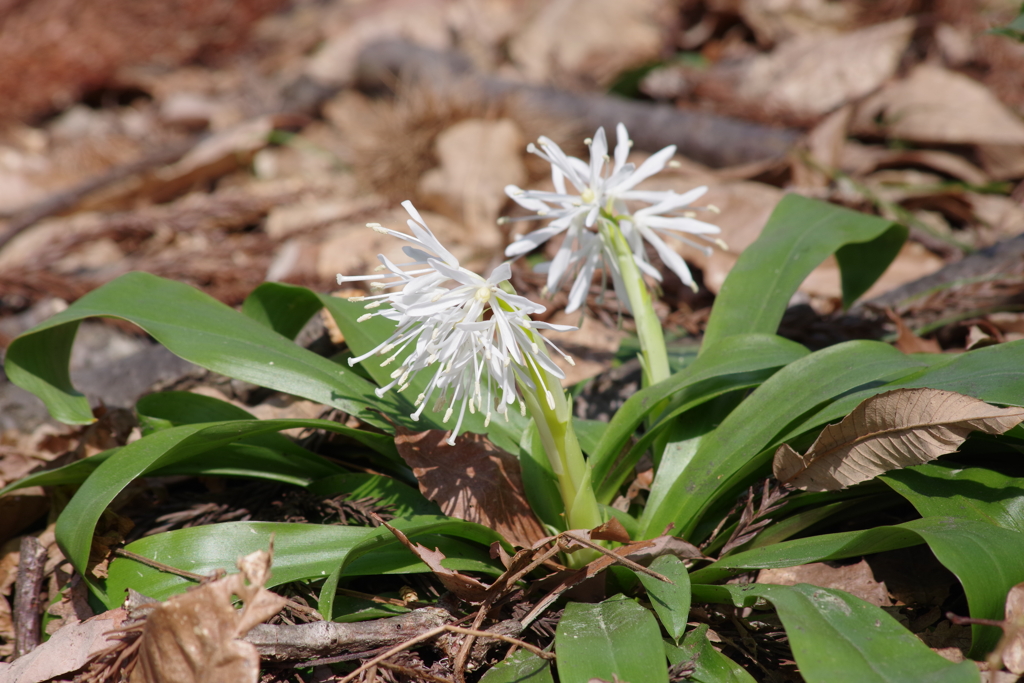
194	638
473	480
815	74
465	587
855	579
1012	646
890	431
907	341
592	41
478	158
935	105
67	651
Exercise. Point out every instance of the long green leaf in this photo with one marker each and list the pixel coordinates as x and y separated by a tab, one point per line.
161	449
197	328
301	551
726	457
613	640
736	362
942	489
799	235
837	638
985	558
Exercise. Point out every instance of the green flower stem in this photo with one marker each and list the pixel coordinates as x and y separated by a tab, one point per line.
654	355
549	407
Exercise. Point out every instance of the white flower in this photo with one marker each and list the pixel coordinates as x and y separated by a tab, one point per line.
479	336
603	189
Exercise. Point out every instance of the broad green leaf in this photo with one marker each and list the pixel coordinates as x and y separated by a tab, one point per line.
993	373
161	449
709	665
301	551
728	457
800	234
942	489
522	667
670	600
539	481
613	639
837	638
197	328
985	558
741	361
283	308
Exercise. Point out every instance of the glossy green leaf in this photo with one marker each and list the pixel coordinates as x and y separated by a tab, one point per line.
985	558
301	551
161	449
614	638
670	600
709	665
799	235
837	638
943	489
283	308
522	667
741	361
726	459
197	328
993	373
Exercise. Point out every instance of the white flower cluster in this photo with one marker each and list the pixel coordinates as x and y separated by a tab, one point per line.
600	191
477	334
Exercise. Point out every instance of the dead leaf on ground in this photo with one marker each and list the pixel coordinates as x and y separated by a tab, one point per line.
855	579
815	74
67	651
890	431
907	341
195	636
608	37
473	480
933	105
465	587
478	158
1011	647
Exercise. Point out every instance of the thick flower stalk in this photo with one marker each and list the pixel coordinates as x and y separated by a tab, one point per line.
592	205
475	339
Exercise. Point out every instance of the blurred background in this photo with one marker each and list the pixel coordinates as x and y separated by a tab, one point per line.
223	143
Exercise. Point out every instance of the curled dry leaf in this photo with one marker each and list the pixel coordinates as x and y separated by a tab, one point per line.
1011	647
465	587
473	480
890	431
195	637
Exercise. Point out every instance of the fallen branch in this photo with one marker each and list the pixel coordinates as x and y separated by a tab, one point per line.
708	138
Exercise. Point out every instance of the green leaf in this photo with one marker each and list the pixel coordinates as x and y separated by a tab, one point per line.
197	328
670	600
709	665
614	638
940	489
800	234
301	551
745	360
837	638
162	449
283	308
732	454
522	667
985	558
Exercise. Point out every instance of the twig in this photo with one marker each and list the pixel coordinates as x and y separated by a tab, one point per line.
121	552
433	633
31	564
619	559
